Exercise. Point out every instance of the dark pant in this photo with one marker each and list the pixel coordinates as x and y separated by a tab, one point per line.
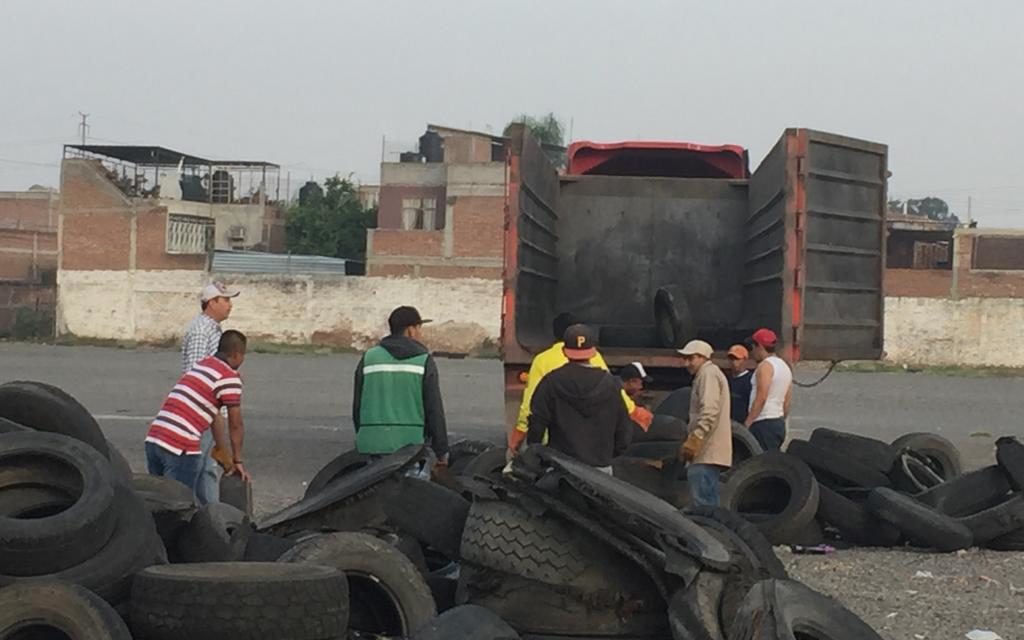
770	433
183	468
703	481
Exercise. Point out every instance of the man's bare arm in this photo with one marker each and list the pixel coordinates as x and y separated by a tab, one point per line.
763	381
236	432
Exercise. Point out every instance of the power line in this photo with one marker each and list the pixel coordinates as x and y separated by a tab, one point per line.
26	162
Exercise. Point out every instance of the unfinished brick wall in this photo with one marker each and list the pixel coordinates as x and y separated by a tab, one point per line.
28	235
479	226
918	283
980	283
396	242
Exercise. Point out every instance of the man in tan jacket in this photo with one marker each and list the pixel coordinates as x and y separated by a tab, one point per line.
708	448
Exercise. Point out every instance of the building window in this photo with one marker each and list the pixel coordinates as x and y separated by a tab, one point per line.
419	213
190	235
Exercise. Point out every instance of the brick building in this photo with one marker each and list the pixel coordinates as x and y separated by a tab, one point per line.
28	261
442	208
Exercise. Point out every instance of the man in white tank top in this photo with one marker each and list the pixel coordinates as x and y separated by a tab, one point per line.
772	390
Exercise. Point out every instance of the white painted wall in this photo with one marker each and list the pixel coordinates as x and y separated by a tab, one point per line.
966	331
155	306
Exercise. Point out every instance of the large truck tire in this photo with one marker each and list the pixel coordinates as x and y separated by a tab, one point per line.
1013	541
218	532
740	536
744	445
133	546
870	452
461	452
122	469
777	490
943	456
430	513
673	318
52	537
694	611
922	525
996	522
1010	458
912	473
676	404
969	493
780	609
57	610
44	407
832	466
213	601
467	622
387	593
487	464
340	466
854	522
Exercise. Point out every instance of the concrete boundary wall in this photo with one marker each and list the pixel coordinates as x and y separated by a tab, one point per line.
347	312
963	332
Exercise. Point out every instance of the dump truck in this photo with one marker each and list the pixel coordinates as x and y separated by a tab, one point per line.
657	243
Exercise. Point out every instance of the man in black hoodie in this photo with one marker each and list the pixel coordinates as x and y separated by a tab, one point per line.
580	407
397	399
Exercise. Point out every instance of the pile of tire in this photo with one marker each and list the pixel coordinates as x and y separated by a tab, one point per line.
861	491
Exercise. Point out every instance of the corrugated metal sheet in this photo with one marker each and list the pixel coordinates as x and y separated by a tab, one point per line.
256	262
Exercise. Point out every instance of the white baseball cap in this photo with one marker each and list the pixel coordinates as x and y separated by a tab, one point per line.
216	290
697	348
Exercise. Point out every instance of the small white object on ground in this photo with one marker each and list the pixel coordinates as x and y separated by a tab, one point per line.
924	574
980	634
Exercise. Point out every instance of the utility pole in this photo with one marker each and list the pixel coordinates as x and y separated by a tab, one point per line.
969	210
83	127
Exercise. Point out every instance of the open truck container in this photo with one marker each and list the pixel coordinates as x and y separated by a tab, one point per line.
798	247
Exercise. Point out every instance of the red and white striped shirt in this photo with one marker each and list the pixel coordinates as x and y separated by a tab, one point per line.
189	409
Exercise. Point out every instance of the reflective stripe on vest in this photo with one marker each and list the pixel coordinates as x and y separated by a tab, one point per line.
391	412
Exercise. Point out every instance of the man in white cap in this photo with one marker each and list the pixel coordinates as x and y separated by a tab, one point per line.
708	447
201	339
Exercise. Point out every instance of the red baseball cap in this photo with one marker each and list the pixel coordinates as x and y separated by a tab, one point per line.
764	337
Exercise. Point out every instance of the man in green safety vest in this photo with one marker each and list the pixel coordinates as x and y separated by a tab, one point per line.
397	398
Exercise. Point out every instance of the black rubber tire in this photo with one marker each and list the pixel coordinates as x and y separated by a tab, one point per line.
488	464
870	452
57	609
694	611
244	600
944	456
44	407
387	593
263	547
854	522
663	428
505	537
969	493
1010	458
170	503
922	525
676	404
1013	541
56	538
217	532
429	513
10	426
467	622
744	445
342	465
997	521
133	546
19	502
461	452
122	469
779	487
740	536
811	535
913	473
831	466
756	559
673	319
780	609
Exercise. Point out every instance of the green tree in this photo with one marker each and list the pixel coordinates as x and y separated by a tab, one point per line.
547	129
333	224
930	207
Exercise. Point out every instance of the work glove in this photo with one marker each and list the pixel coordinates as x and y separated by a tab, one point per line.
642	417
223	458
691	448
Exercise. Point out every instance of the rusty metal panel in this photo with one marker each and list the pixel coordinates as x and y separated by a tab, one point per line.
998	253
840	231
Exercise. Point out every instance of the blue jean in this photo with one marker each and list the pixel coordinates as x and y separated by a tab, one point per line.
207	484
703	481
770	433
161	462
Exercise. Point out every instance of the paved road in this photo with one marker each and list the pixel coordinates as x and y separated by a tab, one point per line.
298	407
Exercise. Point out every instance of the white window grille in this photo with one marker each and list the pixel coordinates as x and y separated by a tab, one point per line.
189	235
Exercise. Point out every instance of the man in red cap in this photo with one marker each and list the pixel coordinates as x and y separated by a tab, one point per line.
580	406
772	390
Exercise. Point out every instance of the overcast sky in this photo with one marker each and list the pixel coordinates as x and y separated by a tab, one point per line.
315	85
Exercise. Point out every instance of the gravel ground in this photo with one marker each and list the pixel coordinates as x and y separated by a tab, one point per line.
297	418
909	595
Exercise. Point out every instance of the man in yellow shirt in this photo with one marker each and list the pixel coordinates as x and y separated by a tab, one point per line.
554	358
